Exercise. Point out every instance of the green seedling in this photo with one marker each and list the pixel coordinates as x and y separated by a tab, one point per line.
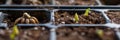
76	17
100	33
15	32
87	12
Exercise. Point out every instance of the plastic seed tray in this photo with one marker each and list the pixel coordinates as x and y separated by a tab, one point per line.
56	19
63	30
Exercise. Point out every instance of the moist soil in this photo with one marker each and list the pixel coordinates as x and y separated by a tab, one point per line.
26	2
67	17
11	16
75	2
37	33
114	16
84	33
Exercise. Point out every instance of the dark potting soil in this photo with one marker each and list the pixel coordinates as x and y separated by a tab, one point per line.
84	33
67	17
75	2
110	2
26	2
114	16
40	33
2	1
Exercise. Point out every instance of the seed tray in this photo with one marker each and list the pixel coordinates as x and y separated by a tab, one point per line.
99	7
34	33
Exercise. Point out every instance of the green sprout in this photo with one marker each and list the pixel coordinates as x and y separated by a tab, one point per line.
87	12
99	33
15	32
76	17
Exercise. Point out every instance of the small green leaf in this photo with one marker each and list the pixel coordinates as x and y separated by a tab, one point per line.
12	36
15	32
76	17
100	33
87	12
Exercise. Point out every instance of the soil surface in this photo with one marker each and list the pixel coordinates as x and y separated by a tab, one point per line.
26	2
67	17
38	33
84	33
75	2
114	16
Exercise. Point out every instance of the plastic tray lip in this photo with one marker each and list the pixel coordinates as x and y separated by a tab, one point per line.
72	9
34	25
99	10
111	9
23	9
3	25
71	25
31	24
57	5
46	25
